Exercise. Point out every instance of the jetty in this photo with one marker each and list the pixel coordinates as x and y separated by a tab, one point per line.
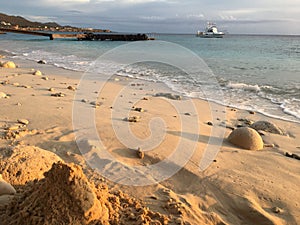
83	36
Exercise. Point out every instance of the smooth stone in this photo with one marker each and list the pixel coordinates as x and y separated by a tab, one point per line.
71	88
94	103
41	62
23	121
246	138
140	153
6	188
2	95
51	89
139	109
45	78
9	64
133	119
277	210
37	73
267	127
58	95
169	96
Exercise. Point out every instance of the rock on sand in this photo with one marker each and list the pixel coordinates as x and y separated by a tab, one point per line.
6	188
9	64
246	138
37	73
2	95
267	127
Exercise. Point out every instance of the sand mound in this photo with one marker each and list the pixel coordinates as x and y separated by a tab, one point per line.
25	163
246	138
266	126
65	196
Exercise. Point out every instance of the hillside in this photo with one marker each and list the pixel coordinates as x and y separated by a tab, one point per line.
22	22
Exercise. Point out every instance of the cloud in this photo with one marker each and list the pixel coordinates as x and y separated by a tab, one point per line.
42	19
164	15
152	18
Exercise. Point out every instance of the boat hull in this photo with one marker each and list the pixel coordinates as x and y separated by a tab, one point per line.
205	35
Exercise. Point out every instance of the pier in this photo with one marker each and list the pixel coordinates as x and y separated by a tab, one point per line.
84	36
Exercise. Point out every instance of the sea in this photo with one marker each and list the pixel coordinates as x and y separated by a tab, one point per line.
254	72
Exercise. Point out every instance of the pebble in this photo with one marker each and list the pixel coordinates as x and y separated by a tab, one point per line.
251	112
139	109
96	104
3	95
140	153
133	119
23	121
18	104
187	114
210	123
45	78
269	145
84	100
51	89
58	94
37	73
246	121
16	84
293	156
277	210
4	82
41	62
145	99
71	88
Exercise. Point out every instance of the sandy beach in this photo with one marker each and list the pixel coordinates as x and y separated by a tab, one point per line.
36	130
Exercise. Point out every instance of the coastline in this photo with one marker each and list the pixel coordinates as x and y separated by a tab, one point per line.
240	186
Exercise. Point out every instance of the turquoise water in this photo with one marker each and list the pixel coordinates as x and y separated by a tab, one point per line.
260	73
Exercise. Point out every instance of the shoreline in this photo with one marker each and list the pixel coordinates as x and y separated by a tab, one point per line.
240	186
167	88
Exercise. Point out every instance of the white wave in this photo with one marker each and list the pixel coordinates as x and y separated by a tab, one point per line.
243	86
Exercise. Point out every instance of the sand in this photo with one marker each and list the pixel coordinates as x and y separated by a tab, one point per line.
238	187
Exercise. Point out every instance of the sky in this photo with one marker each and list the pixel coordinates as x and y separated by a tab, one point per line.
165	16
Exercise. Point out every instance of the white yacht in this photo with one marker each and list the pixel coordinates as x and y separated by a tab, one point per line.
211	31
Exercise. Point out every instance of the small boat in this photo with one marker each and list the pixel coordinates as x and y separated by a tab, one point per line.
211	31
